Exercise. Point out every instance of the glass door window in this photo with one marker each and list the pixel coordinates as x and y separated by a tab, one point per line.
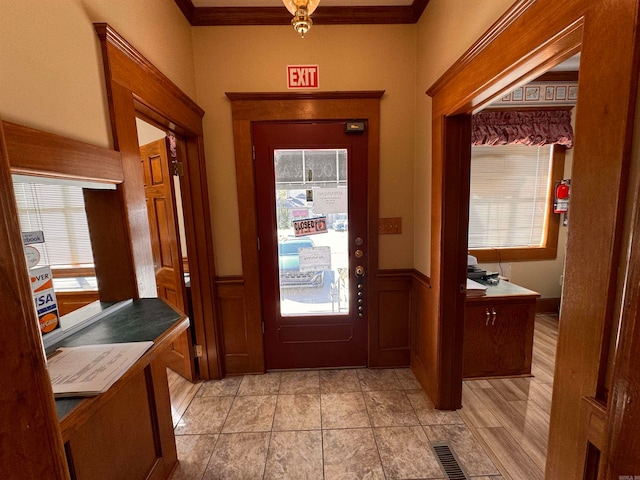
311	208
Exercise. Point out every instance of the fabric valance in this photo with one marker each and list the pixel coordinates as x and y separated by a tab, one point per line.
530	127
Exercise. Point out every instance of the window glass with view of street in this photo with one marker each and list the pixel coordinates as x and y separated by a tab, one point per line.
311	189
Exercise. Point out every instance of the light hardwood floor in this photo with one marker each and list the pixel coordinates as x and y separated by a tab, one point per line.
510	416
181	392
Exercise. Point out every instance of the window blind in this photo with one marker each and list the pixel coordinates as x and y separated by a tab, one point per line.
508	196
57	210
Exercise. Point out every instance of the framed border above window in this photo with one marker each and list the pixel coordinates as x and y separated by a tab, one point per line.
549	246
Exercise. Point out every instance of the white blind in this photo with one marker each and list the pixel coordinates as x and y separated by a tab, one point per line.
57	210
508	196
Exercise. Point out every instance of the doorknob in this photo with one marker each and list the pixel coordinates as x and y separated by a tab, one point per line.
359	271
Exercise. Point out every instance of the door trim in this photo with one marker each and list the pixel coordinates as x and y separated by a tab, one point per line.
253	107
455	95
606	33
135	87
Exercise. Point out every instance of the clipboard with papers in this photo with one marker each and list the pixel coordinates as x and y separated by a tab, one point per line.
89	370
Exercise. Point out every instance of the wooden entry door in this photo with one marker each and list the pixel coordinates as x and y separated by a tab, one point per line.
165	245
311	192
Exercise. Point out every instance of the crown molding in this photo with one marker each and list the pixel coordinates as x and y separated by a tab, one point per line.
361	15
515	11
341	95
108	36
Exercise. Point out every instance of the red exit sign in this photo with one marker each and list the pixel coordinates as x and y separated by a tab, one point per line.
302	76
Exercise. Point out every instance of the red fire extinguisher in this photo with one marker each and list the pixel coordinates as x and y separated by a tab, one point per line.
561	198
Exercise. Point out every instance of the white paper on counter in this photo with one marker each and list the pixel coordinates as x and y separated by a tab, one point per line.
89	370
475	289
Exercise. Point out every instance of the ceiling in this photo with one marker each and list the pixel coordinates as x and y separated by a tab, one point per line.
273	12
278	3
329	12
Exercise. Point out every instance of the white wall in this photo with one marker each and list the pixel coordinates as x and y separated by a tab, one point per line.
52	79
354	57
446	30
51	73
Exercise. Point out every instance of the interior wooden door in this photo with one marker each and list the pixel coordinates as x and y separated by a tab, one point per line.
312	225
165	244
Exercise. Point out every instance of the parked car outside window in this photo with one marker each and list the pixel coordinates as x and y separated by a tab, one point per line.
341	225
289	263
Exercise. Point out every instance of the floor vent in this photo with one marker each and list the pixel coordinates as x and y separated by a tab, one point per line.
449	462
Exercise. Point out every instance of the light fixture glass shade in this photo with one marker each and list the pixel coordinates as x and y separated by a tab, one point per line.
301	11
294	5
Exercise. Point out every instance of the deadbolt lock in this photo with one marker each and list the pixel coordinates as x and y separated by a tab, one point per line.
360	277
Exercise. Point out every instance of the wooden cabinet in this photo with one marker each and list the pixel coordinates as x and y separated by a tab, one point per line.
498	333
125	433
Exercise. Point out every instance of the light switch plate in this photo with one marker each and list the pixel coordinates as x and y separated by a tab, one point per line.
387	226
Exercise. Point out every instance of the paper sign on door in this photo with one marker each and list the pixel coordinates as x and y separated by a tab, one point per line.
315	259
330	200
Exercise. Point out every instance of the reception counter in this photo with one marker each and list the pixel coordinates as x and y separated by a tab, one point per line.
125	433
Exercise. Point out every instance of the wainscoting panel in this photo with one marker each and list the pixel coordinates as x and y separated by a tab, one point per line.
424	335
239	354
548	305
392	322
390	319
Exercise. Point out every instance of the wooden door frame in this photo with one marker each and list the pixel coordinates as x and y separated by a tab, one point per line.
179	357
530	38
135	86
254	107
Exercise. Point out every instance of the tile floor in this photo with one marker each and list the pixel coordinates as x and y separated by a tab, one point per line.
327	424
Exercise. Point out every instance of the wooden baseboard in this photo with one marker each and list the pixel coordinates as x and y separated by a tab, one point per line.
548	305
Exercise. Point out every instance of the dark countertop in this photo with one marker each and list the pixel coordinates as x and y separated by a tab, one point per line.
143	320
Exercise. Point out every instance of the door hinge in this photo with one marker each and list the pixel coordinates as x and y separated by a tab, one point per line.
253	152
263	328
178	169
197	351
258	243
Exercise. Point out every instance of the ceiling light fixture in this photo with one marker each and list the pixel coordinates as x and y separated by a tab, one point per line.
301	11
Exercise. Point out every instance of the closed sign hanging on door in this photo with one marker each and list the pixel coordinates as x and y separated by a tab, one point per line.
303	76
310	226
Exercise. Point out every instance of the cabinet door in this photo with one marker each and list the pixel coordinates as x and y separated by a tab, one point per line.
510	332
480	345
498	343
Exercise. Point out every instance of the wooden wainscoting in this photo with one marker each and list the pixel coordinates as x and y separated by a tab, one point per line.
242	350
390	323
390	319
424	338
548	305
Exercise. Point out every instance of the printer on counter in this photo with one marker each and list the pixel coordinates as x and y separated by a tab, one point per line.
474	272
